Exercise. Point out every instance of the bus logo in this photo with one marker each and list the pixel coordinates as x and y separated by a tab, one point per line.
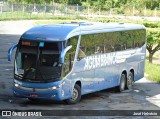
34	90
6	113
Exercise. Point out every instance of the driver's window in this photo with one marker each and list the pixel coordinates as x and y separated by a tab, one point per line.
70	55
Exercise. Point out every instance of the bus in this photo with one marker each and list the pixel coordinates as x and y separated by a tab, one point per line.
67	60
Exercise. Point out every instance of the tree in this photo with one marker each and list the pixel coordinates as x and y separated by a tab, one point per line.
74	2
34	1
151	4
153	43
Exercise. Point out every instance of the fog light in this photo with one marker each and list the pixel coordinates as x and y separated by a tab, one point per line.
16	93
53	96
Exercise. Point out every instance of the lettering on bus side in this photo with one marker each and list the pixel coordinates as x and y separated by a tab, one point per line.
101	60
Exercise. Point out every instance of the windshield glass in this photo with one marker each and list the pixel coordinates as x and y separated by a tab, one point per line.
38	63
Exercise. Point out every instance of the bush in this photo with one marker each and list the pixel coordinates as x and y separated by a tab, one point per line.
153	75
151	24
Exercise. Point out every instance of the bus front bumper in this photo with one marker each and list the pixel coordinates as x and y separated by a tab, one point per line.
52	93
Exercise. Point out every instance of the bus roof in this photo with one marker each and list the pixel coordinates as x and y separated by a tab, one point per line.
63	31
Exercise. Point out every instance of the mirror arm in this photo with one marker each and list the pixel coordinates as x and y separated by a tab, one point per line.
63	53
10	51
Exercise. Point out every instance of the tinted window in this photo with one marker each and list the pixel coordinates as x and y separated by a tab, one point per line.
86	46
99	43
110	42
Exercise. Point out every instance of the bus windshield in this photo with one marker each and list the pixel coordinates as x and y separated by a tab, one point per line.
38	64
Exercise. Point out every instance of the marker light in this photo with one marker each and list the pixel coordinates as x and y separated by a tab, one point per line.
41	44
26	43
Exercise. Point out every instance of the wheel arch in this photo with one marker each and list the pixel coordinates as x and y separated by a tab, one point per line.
78	83
124	72
132	71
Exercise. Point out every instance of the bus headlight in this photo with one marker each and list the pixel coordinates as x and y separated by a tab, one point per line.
16	85
54	87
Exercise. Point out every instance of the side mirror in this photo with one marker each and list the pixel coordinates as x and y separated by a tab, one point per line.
63	53
10	51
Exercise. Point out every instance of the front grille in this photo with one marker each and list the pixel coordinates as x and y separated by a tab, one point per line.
35	89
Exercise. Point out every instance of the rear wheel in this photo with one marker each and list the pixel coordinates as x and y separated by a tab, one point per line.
122	84
130	81
76	96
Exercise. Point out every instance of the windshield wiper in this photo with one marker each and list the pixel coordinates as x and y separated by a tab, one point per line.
38	63
19	76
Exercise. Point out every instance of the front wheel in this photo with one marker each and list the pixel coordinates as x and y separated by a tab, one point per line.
122	84
76	96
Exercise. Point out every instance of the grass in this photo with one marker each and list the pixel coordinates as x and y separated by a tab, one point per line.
153	71
56	21
24	16
105	20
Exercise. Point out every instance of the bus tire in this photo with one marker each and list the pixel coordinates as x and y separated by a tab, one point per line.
76	97
122	84
130	80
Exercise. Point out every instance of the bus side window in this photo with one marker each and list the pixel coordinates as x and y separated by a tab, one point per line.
129	39
81	54
117	47
89	43
141	38
137	39
98	40
108	39
86	46
108	48
118	40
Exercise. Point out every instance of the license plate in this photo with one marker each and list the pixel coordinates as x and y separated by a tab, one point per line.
33	95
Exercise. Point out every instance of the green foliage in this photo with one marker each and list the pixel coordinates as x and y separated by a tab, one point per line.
125	7
152	3
30	1
104	4
153	42
21	16
47	1
153	75
74	2
151	24
153	36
